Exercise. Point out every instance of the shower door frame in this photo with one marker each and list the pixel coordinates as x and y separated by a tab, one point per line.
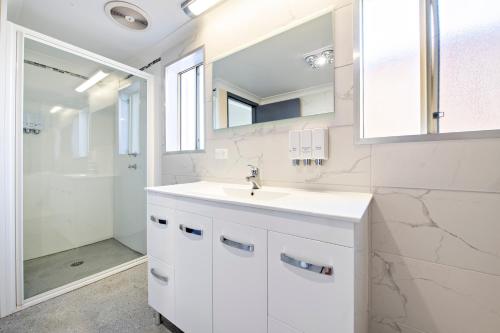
16	36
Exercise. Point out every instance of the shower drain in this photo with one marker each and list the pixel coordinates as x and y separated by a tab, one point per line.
77	263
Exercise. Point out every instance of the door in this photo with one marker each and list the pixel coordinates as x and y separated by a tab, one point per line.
131	167
240	278
193	272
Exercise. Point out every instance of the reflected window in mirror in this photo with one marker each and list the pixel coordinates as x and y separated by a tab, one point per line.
129	107
427	69
287	76
184	104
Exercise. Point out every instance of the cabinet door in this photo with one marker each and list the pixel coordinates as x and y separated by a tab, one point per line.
311	284
240	278
193	273
161	288
160	221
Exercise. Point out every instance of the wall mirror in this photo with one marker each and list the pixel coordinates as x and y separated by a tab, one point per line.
286	76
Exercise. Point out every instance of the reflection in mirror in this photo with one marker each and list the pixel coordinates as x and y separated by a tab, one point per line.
287	76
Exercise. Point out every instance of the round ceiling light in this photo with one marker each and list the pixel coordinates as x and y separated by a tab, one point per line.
127	15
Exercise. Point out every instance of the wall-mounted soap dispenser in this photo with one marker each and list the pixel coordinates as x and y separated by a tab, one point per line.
320	145
294	147
306	146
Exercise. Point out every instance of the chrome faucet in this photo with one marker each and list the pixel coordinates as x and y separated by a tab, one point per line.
254	177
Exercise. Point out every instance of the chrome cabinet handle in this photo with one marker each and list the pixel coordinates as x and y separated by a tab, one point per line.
325	270
237	245
158	220
189	230
159	276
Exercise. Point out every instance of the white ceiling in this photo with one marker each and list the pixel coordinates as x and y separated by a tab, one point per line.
276	65
85	24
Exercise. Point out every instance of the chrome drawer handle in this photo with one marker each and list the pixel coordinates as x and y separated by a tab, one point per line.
159	276
189	230
158	220
325	270
237	245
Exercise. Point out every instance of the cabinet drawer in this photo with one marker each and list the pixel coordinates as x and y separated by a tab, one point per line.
161	288
193	273
240	278
275	326
160	233
302	293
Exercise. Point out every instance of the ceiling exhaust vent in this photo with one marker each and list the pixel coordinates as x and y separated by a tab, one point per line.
127	15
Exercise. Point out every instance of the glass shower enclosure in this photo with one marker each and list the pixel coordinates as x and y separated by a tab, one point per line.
84	168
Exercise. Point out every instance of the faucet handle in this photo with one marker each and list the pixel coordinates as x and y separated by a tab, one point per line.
254	170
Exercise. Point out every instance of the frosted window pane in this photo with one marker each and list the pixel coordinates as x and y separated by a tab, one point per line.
135	109
80	138
123	124
239	113
188	109
391	68
469	65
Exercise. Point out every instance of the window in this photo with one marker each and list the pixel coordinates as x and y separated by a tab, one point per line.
80	131
184	104
428	67
240	111
129	120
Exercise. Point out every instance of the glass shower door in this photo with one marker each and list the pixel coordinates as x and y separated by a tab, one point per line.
84	168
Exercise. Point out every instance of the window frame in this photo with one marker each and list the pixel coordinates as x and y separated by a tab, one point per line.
429	89
163	116
242	100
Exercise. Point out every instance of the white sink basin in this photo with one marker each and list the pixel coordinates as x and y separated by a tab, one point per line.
259	194
347	206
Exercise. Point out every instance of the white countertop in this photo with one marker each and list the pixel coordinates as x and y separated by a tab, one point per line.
347	206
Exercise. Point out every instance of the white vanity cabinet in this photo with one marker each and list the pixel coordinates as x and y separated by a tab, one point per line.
307	280
193	272
239	278
227	264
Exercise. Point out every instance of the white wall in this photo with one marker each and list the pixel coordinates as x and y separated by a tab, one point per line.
436	215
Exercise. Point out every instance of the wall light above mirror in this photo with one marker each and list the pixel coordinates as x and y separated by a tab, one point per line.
286	76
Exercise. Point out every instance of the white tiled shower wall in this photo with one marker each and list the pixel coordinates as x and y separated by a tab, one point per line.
436	213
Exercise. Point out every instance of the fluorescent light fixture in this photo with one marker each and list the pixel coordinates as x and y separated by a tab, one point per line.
92	81
194	8
56	109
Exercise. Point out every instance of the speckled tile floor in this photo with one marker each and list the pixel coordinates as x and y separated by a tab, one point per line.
115	304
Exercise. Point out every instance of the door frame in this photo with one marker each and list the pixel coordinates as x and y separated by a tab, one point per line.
11	229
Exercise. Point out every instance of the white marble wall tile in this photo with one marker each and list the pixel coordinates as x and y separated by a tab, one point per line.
349	164
343	35
344	88
453	228
469	165
432	298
